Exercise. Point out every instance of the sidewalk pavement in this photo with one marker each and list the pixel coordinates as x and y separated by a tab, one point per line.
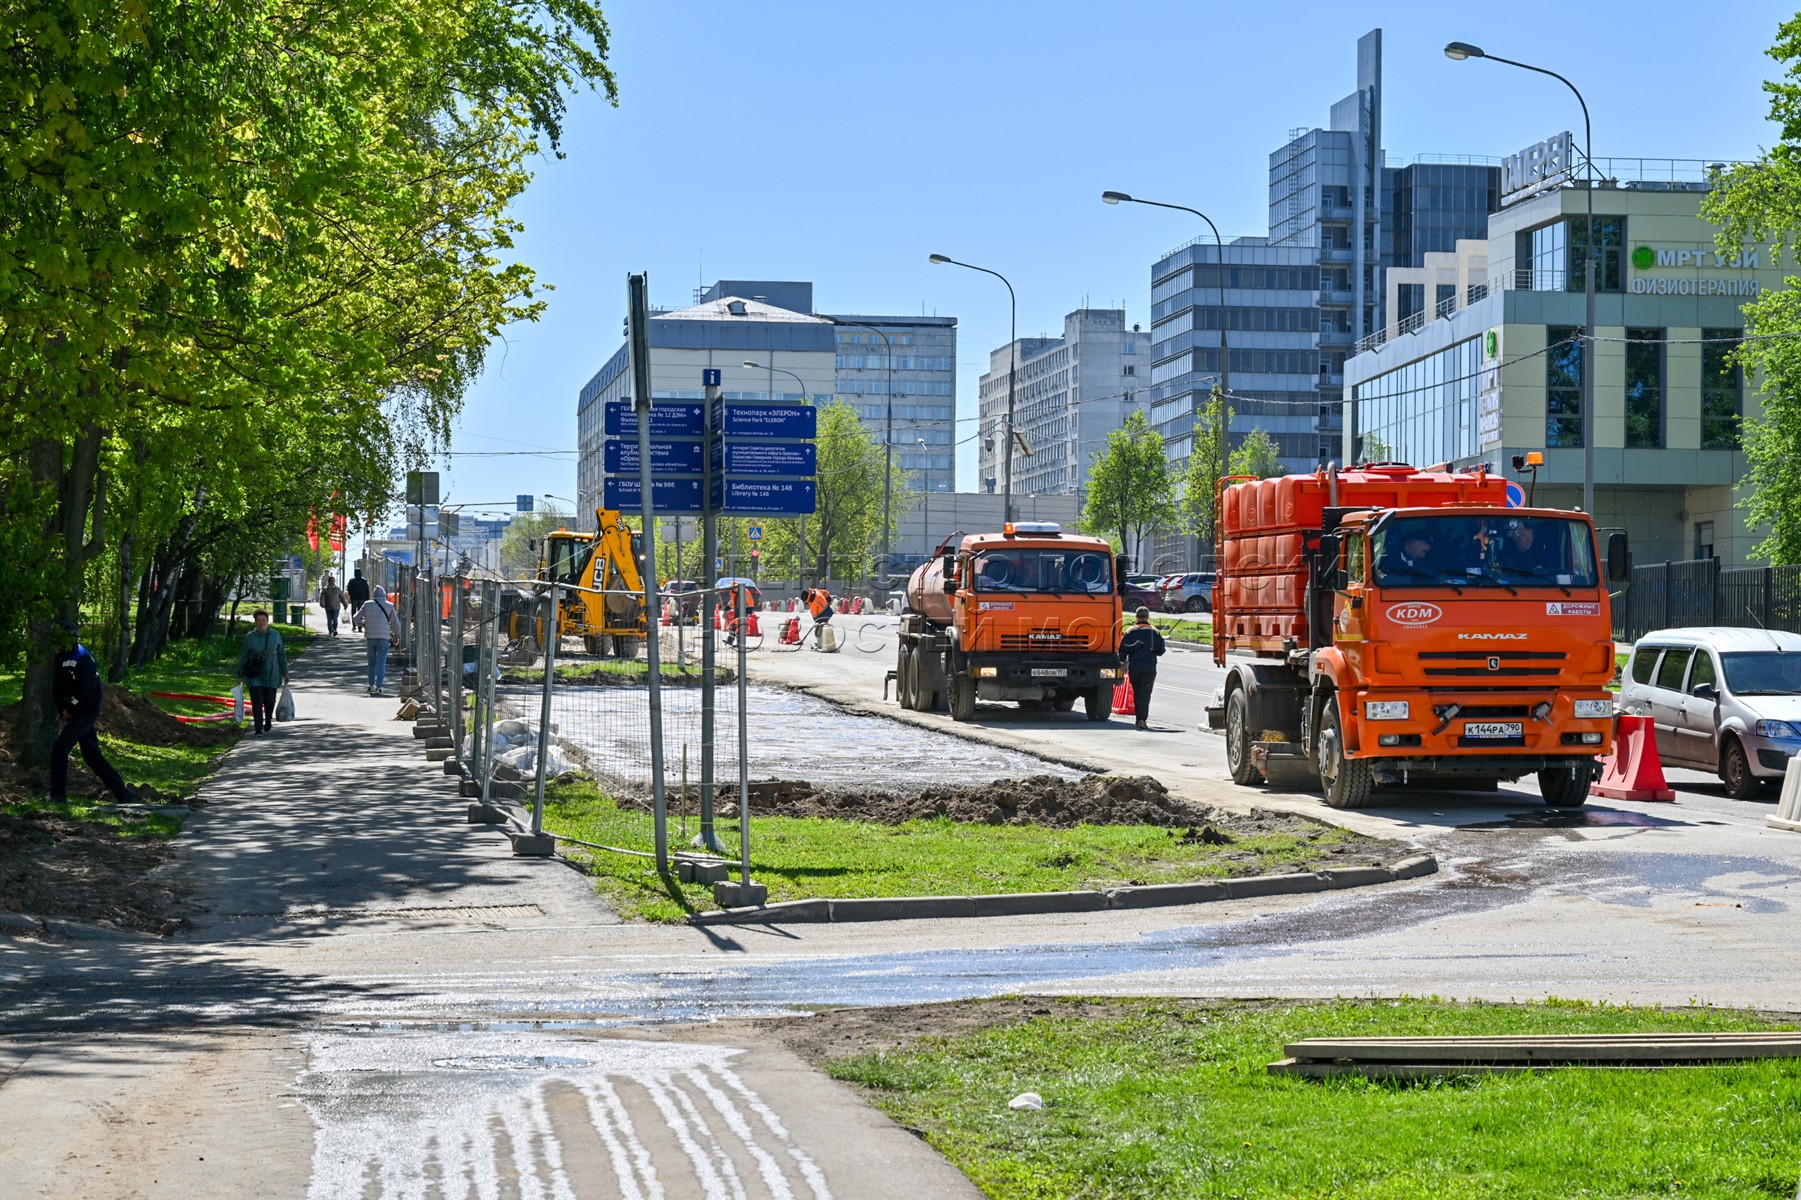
241	1059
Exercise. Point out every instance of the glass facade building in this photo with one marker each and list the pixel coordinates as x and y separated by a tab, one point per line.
915	369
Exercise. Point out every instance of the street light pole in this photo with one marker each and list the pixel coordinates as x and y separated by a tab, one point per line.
925	499
1225	366
750	365
1012	375
1458	52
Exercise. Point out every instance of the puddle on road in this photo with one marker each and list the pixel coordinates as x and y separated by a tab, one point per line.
1581	818
791	735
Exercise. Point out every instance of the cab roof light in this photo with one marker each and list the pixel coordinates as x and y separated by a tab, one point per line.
1049	527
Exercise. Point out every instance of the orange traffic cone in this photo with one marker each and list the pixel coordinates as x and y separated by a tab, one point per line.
1125	704
791	632
1633	771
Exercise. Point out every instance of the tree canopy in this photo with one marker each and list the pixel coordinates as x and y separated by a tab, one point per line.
1131	487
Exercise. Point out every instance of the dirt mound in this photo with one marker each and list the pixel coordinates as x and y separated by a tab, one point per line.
137	719
54	867
1045	800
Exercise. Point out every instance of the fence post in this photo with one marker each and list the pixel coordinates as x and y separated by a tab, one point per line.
1713	592
550	678
743	751
491	627
454	709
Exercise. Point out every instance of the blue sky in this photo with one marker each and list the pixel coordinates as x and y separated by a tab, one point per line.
843	143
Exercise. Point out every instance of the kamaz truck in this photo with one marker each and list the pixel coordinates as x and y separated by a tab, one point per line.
1030	614
1387	625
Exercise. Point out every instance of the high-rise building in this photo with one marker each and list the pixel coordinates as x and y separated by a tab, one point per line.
901	373
1069	394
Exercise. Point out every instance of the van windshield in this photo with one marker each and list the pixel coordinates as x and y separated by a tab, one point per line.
1030	569
1466	550
1762	673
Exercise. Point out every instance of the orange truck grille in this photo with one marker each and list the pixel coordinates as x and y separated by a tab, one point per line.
1490	664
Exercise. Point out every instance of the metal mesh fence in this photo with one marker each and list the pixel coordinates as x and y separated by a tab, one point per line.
1672	595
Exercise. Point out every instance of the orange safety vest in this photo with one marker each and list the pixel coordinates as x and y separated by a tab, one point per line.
818	600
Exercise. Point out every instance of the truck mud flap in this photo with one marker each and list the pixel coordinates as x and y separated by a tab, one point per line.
1284	765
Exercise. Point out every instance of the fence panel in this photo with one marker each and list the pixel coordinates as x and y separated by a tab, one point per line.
1674	595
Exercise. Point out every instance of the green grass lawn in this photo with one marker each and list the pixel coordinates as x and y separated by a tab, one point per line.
1169	1098
799	858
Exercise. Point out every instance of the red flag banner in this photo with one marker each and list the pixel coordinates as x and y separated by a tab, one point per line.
340	524
312	533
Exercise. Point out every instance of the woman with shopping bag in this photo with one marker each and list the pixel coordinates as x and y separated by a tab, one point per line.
263	666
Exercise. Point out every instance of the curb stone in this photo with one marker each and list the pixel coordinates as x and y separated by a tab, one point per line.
1161	895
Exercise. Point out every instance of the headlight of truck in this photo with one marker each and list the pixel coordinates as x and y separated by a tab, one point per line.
1777	729
1594	708
1385	710
1109	672
987	672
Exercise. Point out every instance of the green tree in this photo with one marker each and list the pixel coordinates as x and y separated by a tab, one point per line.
516	556
1759	204
1257	456
1206	464
844	533
263	231
1131	486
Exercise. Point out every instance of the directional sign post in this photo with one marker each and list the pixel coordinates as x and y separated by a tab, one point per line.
626	493
765	497
620	457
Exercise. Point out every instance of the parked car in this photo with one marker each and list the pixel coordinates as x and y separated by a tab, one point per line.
1192	593
1141	595
1726	701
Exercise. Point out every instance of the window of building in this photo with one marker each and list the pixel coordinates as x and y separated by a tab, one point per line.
1563	385
1130	369
1610	240
1644	388
1722	390
1703	539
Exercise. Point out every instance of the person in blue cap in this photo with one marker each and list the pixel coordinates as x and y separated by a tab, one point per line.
78	692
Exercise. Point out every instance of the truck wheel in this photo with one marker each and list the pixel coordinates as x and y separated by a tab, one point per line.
626	647
1347	780
592	646
1735	772
1098	702
1565	787
903	678
1238	739
962	697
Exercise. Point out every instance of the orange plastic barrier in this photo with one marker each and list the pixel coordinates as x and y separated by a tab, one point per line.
226	701
1633	771
1124	702
791	632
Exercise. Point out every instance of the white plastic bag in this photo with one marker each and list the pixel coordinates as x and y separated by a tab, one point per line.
284	707
237	703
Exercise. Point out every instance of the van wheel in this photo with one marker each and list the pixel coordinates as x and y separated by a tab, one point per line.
1565	787
1238	739
1735	771
1347	781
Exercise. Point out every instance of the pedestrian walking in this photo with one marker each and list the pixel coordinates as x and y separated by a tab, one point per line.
78	692
358	591
263	666
331	599
1139	650
381	628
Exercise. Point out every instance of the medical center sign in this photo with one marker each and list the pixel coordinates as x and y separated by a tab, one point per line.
1699	271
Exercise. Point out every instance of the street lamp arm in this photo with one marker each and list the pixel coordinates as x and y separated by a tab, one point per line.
1012	374
1566	83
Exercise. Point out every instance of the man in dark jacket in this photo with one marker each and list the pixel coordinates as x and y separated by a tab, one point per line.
78	692
1139	650
358	591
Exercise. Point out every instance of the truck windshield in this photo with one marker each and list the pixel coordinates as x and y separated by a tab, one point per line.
1031	569
567	558
1506	551
1763	673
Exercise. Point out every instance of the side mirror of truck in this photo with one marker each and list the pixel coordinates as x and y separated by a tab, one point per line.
1328	561
1122	567
949	563
1619	562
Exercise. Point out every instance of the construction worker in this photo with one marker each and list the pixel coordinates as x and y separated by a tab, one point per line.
819	607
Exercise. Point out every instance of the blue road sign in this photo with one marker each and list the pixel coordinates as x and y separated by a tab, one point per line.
672	496
764	497
620	456
766	420
756	457
754	532
709	377
667	419
1516	495
523	502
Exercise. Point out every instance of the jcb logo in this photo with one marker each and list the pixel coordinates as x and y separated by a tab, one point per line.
1414	614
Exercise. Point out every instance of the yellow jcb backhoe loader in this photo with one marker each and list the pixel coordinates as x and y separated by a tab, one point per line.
603	602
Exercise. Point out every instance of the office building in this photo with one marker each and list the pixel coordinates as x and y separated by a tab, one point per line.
1497	371
1069	393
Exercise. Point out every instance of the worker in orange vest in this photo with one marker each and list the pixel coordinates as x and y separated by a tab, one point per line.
819	607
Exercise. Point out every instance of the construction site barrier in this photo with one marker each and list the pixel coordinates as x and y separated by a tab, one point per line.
1125	704
1633	771
1788	810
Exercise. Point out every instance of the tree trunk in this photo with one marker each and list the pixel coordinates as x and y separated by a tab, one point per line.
71	539
170	564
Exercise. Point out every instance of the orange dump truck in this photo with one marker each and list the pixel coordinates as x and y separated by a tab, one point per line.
1030	614
1388	624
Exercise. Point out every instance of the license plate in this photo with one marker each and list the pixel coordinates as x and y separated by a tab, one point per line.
1048	672
1494	729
